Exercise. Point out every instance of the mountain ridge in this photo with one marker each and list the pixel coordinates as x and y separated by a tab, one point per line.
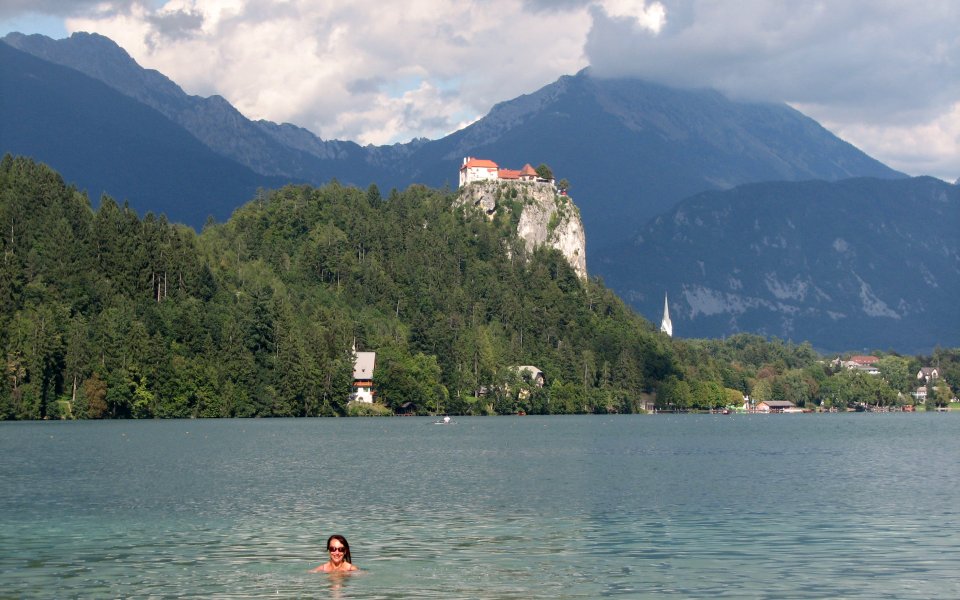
212	120
859	263
633	126
92	146
631	149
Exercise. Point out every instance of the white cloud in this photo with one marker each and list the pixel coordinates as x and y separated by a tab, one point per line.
650	17
924	148
370	71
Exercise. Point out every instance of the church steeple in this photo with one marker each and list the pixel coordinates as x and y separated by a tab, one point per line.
665	325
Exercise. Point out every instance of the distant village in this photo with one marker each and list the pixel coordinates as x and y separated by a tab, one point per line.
926	378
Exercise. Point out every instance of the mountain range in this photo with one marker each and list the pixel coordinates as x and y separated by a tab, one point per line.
632	151
106	142
856	264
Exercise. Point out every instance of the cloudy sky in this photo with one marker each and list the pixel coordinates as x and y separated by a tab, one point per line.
882	74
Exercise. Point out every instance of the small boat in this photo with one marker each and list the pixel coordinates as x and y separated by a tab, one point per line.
445	421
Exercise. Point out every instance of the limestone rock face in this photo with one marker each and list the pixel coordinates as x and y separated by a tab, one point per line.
547	218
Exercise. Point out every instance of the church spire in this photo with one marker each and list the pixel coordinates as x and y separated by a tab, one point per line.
665	325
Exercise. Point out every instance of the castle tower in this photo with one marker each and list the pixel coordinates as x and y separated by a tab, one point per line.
665	325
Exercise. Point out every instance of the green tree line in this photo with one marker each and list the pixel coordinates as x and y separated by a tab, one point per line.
104	314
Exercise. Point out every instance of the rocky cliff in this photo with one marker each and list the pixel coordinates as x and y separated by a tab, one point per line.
547	218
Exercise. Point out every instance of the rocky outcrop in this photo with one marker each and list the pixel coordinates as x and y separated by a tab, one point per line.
547	218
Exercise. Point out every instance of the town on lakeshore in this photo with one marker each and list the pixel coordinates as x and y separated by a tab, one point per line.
927	378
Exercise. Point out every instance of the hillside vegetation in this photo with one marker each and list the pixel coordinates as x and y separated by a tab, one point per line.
105	314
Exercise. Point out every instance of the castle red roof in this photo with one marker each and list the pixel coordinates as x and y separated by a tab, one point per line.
508	174
480	163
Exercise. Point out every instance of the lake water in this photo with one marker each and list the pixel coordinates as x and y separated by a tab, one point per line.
661	506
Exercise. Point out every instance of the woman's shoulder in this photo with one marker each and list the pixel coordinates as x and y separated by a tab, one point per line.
327	568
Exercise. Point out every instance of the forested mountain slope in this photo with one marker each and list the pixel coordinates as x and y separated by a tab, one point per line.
105	314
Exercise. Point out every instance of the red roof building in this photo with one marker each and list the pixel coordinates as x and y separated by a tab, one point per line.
528	173
477	169
481	169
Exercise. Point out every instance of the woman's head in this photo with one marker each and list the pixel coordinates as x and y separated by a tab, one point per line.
338	547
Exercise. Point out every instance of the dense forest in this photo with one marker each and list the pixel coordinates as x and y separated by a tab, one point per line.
104	314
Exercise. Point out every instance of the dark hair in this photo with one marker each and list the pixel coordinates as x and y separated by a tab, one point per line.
346	546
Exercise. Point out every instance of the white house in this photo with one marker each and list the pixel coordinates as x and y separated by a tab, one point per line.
534	374
478	169
868	369
363	366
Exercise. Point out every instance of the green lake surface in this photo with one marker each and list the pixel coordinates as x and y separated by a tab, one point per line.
660	506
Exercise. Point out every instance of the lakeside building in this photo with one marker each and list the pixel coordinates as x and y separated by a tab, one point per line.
776	406
363	366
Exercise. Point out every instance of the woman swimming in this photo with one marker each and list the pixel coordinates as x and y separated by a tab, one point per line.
340	559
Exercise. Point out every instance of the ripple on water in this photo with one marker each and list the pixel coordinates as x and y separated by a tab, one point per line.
493	508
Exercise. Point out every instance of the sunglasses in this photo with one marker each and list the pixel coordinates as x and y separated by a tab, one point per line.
337	549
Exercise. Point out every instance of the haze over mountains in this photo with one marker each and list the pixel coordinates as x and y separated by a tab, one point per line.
631	150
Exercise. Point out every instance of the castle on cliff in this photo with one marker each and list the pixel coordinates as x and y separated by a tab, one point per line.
481	169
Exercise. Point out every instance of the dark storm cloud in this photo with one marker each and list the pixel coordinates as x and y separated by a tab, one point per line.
366	85
884	58
180	24
63	8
